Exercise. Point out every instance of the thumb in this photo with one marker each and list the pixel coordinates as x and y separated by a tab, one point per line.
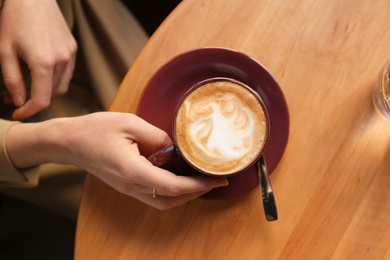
150	137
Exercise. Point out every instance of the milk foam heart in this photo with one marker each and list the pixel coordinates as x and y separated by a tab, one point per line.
221	127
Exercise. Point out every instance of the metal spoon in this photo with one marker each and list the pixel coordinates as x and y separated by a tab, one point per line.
267	194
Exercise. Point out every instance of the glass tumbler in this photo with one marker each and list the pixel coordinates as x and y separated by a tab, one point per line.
381	95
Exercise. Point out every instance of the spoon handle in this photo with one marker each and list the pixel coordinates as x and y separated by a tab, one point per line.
267	193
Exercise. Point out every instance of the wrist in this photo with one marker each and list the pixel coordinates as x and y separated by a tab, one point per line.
31	144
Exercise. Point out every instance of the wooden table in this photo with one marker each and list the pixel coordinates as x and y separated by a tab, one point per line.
332	185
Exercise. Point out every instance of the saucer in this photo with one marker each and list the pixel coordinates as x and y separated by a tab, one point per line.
174	78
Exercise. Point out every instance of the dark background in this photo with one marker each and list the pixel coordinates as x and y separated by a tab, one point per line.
150	13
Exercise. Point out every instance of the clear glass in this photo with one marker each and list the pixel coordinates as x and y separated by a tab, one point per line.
381	95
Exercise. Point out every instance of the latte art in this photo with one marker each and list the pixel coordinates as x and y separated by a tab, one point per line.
224	131
221	127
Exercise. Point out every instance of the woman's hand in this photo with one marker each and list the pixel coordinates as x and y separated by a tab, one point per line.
36	32
106	145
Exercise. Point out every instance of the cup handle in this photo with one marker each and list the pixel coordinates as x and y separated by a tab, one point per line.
163	156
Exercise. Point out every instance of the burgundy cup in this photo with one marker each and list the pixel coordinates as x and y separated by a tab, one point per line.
172	153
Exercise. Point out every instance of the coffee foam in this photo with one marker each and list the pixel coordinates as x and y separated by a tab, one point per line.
221	127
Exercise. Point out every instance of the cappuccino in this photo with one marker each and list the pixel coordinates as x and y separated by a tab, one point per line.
221	127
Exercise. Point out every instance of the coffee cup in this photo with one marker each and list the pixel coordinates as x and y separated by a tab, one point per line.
220	128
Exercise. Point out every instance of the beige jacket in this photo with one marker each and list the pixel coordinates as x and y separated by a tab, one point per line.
109	39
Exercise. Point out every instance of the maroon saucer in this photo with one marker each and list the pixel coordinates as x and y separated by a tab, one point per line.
174	78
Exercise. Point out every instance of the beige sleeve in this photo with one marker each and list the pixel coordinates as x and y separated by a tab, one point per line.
9	174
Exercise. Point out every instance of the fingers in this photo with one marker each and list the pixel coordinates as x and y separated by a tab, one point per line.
172	190
169	184
48	79
13	77
62	77
41	91
63	70
164	203
157	199
43	84
41	88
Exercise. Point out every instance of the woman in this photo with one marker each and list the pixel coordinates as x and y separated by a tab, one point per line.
105	144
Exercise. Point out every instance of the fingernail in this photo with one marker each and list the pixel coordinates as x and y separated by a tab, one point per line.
222	182
18	100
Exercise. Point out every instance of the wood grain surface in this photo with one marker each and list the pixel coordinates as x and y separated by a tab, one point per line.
332	185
